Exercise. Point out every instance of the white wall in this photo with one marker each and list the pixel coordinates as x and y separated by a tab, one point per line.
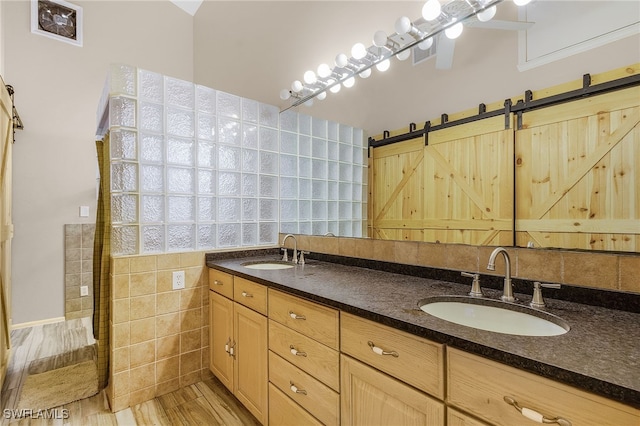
274	43
57	91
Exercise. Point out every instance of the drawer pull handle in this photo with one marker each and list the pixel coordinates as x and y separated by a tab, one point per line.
294	389
534	415
245	294
380	351
232	349
296	316
216	282
226	346
297	352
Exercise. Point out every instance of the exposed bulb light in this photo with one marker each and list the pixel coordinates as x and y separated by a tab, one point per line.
310	77
296	86
366	73
380	38
404	55
324	71
521	2
285	94
309	102
358	51
342	60
487	14
335	89
454	31
349	82
403	25
321	96
431	10
425	44
383	66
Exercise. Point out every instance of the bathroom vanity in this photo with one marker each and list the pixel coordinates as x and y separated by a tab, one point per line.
349	345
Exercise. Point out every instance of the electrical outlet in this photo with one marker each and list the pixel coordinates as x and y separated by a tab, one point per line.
178	280
84	290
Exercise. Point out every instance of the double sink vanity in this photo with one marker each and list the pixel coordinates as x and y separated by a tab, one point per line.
326	342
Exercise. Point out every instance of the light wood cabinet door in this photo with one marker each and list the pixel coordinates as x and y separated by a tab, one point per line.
458	418
478	386
251	374
369	398
221	338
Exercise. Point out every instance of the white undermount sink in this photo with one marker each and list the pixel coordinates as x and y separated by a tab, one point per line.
268	265
493	315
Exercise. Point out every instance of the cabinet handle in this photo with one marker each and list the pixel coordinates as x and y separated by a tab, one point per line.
226	346
534	415
295	316
380	351
296	352
232	349
294	389
216	282
245	294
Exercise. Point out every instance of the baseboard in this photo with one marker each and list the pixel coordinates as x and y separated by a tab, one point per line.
35	323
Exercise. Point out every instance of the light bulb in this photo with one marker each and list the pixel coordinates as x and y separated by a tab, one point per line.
296	86
404	55
321	96
358	51
425	44
309	102
349	82
324	71
285	94
310	77
380	38
335	89
403	25
366	73
454	31
487	14
521	2
383	66
431	10
342	60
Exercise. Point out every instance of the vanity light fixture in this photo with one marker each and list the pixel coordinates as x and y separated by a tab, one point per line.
436	18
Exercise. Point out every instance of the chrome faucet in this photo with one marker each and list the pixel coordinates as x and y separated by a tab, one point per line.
294	258
507	294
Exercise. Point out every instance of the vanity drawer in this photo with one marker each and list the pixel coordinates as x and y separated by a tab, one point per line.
221	282
317	398
250	294
305	353
284	412
313	320
420	362
478	386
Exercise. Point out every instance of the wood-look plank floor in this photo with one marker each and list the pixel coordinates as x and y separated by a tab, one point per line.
204	403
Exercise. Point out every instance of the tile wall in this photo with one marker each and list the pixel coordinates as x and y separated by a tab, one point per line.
608	271
159	336
78	270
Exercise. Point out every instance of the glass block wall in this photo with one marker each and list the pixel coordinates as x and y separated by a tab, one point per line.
194	168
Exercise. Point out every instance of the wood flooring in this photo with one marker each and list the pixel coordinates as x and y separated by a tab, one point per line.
204	403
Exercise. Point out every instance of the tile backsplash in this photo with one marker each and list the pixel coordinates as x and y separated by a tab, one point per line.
78	269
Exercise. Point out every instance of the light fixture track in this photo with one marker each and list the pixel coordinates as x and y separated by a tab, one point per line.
452	13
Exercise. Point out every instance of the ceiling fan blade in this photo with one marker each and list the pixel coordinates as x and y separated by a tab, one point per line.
444	52
497	24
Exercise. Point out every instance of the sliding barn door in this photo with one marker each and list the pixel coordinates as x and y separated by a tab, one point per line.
457	189
577	174
6	225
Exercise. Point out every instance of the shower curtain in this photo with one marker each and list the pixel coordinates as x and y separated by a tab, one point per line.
101	263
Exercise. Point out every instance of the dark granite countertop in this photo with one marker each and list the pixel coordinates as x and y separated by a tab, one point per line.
599	354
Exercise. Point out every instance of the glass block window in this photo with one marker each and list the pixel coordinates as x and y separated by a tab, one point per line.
194	168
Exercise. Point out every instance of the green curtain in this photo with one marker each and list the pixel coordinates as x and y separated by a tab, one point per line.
101	263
